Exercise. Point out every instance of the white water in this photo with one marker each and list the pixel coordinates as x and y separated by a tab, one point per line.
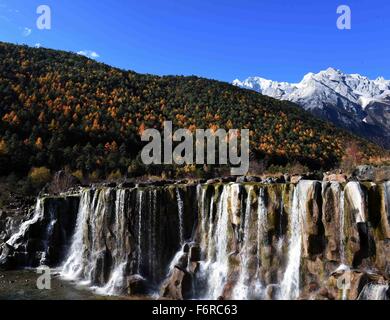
49	232
152	233
38	215
210	241
241	289
337	190
217	269
290	285
374	292
180	210
342	226
356	196
117	277
75	263
386	187
201	196
96	224
261	234
139	249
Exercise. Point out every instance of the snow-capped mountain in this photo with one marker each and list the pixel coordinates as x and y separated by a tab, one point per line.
351	101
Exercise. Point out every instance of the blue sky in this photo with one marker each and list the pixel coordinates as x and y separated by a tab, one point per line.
218	39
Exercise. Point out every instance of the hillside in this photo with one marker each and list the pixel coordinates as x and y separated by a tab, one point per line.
60	109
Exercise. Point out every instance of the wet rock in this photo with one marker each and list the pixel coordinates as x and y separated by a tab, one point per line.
214	181
335	177
364	173
241	179
229	179
295	179
136	285
195	254
177	286
127	185
253	179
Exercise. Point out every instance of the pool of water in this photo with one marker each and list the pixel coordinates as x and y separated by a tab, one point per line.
22	285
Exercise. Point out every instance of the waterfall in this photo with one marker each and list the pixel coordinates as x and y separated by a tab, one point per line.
37	216
290	285
357	199
261	234
241	289
239	249
210	243
217	266
342	225
117	277
97	249
49	233
386	187
337	190
201	197
139	249
373	291
152	233
75	263
180	210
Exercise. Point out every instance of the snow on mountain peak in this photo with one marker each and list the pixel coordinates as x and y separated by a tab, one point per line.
353	92
351	101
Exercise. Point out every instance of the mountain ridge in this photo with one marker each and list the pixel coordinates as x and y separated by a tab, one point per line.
350	101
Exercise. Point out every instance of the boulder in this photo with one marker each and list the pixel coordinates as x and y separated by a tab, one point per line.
195	254
136	285
364	173
177	286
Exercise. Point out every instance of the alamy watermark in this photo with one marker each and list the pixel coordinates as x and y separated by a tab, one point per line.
160	150
44	19
344	21
44	281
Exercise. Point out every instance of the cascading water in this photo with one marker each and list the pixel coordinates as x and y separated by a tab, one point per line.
337	190
201	198
49	232
241	289
139	248
356	196
290	285
342	226
180	210
374	291
117	277
152	233
238	249
217	265
75	263
97	253
261	232
37	216
386	187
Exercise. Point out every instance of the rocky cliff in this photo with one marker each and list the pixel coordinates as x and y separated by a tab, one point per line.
218	240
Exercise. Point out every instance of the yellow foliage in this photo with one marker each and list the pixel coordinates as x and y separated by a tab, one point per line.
40	175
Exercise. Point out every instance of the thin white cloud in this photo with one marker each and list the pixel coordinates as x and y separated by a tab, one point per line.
89	54
37	45
26	32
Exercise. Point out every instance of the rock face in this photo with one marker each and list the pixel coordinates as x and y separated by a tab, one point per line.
45	237
218	240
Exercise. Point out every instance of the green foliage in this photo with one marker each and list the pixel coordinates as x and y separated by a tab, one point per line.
59	109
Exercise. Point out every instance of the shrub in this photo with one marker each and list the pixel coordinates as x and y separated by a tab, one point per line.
40	176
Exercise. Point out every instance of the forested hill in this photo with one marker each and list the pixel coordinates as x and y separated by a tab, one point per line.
60	109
